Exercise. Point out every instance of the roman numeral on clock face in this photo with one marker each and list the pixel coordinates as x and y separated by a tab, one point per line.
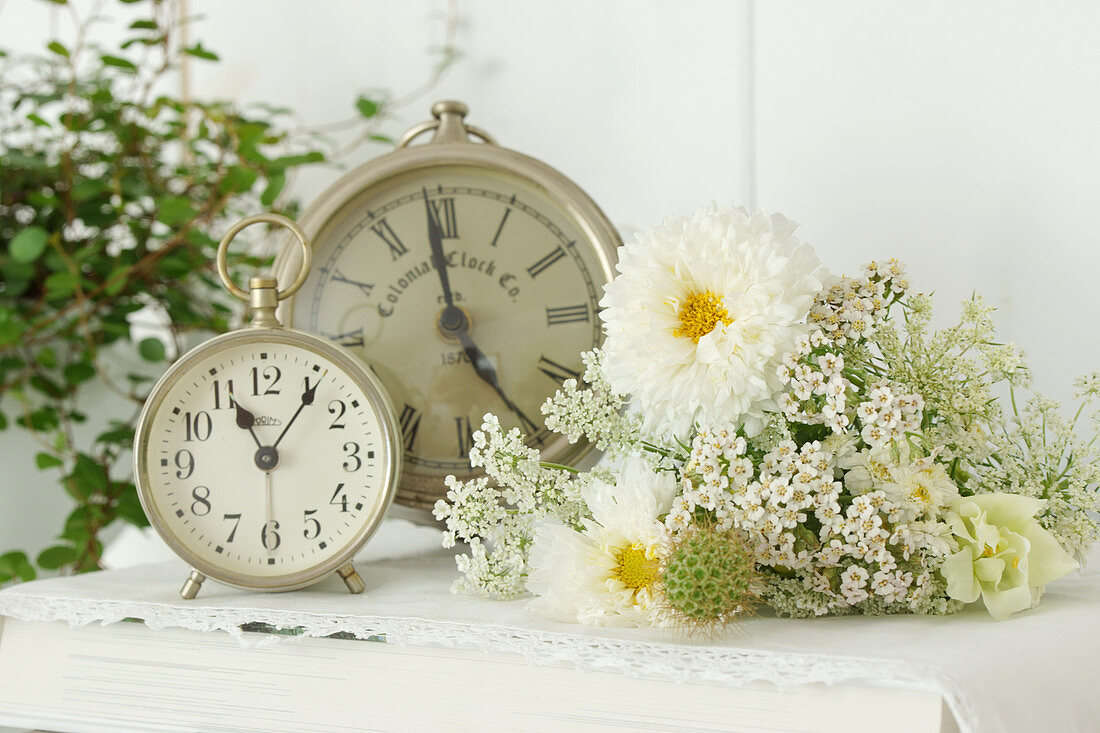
386	233
566	314
351	338
410	425
465	436
556	371
539	267
338	276
500	228
444	212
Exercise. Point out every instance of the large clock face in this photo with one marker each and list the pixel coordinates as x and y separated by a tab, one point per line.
265	460
520	271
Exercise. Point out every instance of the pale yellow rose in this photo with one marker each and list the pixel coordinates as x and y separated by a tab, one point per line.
1004	555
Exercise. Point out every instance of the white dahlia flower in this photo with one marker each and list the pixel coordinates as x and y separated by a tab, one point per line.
605	574
701	314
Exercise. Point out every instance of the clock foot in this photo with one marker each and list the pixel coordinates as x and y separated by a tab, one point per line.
191	585
351	578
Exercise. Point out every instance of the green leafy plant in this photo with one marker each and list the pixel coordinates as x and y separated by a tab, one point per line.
113	195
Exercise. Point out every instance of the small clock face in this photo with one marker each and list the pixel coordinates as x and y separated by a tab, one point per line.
521	271
264	459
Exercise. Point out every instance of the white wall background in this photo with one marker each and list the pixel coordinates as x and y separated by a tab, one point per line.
961	137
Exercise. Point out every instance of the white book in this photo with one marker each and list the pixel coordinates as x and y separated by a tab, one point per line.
410	655
128	677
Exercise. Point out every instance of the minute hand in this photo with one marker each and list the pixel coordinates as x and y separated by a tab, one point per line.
488	375
435	239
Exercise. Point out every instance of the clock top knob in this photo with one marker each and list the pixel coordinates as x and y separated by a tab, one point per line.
449	107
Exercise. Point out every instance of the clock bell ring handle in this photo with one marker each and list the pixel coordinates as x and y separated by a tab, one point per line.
449	125
263	295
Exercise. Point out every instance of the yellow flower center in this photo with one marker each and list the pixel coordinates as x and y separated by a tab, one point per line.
921	494
635	569
700	314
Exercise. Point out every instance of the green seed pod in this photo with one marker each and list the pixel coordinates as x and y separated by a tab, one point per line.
709	579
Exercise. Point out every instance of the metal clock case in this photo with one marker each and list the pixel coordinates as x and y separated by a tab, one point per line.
266	457
468	276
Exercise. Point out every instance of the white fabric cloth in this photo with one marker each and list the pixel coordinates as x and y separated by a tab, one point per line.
1038	671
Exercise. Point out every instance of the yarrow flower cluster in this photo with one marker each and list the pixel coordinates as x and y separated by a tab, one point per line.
851	309
807	444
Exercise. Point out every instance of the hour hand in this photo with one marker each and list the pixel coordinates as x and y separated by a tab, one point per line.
246	421
485	371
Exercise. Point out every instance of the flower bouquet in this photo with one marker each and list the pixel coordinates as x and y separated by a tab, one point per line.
780	437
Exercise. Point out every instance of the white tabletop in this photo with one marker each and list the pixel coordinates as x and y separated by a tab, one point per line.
1038	671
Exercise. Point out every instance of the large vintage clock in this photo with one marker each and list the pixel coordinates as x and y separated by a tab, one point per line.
468	277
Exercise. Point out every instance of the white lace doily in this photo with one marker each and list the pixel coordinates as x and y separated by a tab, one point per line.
1036	671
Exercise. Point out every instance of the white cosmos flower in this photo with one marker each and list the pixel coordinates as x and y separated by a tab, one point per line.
604	575
703	311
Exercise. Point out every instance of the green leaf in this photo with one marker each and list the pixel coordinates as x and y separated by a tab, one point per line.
38	121
116	280
29	244
87	478
57	556
129	507
289	161
59	49
201	53
148	25
16	565
47	357
47	386
151	349
174	210
77	372
275	183
118	62
45	460
61	284
89	188
367	107
11	327
238	178
43	419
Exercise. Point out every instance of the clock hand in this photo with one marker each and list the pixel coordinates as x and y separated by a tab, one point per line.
269	510
307	399
452	319
485	371
245	419
435	239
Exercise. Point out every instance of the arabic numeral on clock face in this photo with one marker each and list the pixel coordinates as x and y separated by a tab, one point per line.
339	498
337	408
354	462
185	464
198	427
313	527
269	535
236	523
223	395
271	376
200	507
